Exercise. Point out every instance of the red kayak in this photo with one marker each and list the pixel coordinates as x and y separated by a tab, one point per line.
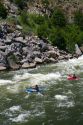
70	77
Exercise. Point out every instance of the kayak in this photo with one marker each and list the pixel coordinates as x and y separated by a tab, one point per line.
32	90
71	78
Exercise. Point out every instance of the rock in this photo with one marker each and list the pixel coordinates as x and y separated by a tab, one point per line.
38	60
61	58
3	60
13	9
8	39
12	61
2	68
20	39
23	61
19	27
43	46
78	51
29	65
53	54
2	42
3	48
37	54
52	60
81	48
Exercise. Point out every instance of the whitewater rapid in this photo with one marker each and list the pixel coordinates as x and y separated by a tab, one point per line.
25	78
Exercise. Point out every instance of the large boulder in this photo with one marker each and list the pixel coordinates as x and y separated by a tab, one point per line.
13	62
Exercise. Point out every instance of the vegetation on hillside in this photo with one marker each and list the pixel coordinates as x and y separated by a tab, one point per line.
54	27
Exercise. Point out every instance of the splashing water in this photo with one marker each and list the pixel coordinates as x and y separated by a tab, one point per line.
62	100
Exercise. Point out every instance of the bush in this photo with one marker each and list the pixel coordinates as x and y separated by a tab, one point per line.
58	18
71	34
3	11
43	30
57	38
78	19
38	19
24	17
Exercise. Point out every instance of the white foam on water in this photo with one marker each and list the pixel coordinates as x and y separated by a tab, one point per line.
15	108
14	88
34	79
21	117
22	77
66	104
61	97
5	82
42	78
64	101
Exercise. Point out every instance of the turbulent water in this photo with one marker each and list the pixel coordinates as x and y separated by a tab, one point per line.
60	104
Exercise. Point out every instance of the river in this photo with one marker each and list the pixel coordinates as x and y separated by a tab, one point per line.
60	104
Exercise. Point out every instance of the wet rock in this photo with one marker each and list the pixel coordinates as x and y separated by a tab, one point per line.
61	58
52	60
2	68
29	65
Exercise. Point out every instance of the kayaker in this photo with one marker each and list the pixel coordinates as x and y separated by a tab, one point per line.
36	88
74	76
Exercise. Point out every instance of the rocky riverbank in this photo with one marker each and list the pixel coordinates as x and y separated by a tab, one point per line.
26	51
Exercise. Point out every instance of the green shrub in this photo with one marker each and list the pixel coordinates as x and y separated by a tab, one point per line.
58	18
43	30
78	19
71	34
38	19
57	38
24	17
3	11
